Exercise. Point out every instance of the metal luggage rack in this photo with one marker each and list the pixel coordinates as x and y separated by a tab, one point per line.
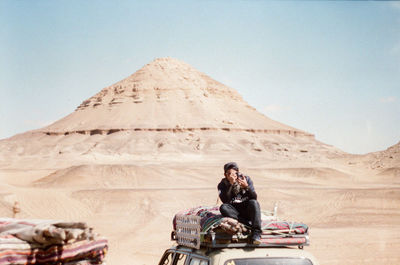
188	233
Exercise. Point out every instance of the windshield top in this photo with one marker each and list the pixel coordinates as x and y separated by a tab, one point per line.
269	261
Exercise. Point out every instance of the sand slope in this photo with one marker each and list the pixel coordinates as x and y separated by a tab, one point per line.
133	206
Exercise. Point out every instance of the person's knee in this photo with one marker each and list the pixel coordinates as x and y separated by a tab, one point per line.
254	204
224	208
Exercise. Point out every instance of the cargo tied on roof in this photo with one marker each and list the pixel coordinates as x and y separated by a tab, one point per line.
49	242
205	226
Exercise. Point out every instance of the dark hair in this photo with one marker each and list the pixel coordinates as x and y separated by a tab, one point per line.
230	165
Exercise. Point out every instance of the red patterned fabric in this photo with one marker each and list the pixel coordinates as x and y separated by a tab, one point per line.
49	242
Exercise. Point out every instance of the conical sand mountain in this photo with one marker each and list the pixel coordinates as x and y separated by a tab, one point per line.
167	95
164	109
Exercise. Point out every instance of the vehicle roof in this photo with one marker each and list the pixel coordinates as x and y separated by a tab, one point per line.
219	256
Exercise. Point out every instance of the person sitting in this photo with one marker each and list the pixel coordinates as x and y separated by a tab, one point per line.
239	198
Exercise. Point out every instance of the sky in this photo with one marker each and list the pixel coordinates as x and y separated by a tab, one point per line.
331	68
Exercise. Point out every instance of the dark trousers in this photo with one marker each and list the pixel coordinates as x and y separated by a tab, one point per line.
245	212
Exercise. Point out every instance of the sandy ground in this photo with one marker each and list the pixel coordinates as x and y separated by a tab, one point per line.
353	218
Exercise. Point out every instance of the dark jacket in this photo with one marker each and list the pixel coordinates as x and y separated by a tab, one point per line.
227	194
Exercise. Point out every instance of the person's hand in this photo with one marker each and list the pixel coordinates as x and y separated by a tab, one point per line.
231	176
242	182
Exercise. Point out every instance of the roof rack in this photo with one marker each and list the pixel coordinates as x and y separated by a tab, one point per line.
188	233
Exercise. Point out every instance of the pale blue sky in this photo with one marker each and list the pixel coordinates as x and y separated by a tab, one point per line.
330	68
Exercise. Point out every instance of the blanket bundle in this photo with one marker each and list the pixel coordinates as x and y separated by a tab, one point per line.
211	219
210	216
49	242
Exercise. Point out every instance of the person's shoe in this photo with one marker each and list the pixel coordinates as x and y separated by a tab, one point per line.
256	239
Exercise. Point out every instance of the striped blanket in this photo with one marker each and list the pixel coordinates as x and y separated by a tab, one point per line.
49	242
211	218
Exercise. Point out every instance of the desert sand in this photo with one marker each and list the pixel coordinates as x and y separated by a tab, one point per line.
127	159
